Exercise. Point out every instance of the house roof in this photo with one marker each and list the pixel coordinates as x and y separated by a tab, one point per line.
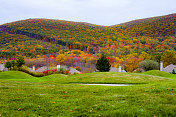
169	68
2	67
30	69
73	70
42	69
114	69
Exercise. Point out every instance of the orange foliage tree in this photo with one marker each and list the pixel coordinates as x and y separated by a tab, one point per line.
131	64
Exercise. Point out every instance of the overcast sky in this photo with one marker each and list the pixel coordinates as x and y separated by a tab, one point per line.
101	12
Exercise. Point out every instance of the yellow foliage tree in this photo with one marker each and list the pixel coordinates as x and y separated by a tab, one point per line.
61	58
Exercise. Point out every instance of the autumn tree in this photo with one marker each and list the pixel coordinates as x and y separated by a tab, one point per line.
168	57
61	58
103	65
131	64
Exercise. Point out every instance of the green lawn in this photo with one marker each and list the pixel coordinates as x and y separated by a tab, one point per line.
154	94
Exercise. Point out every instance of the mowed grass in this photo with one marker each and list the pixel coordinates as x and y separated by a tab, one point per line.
154	94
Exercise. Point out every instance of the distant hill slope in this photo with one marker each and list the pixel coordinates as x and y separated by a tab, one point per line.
151	34
55	30
154	27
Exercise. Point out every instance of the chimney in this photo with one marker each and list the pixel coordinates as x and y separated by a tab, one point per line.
33	68
161	65
58	67
120	69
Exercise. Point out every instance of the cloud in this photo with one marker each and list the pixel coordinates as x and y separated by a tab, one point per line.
104	12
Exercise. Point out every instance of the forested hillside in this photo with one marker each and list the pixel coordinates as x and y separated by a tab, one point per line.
151	33
38	37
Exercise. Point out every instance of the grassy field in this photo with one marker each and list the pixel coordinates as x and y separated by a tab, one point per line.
58	95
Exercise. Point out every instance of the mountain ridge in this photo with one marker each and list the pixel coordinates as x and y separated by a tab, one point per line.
172	14
150	34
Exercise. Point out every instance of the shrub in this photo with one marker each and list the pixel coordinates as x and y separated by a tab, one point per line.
61	70
35	74
25	69
75	73
47	72
15	68
50	72
103	64
54	70
78	68
67	72
147	65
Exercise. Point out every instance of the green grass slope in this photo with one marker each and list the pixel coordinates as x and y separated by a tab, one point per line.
56	95
160	73
15	75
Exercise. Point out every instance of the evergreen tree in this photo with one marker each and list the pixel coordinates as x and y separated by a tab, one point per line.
8	65
173	71
103	64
